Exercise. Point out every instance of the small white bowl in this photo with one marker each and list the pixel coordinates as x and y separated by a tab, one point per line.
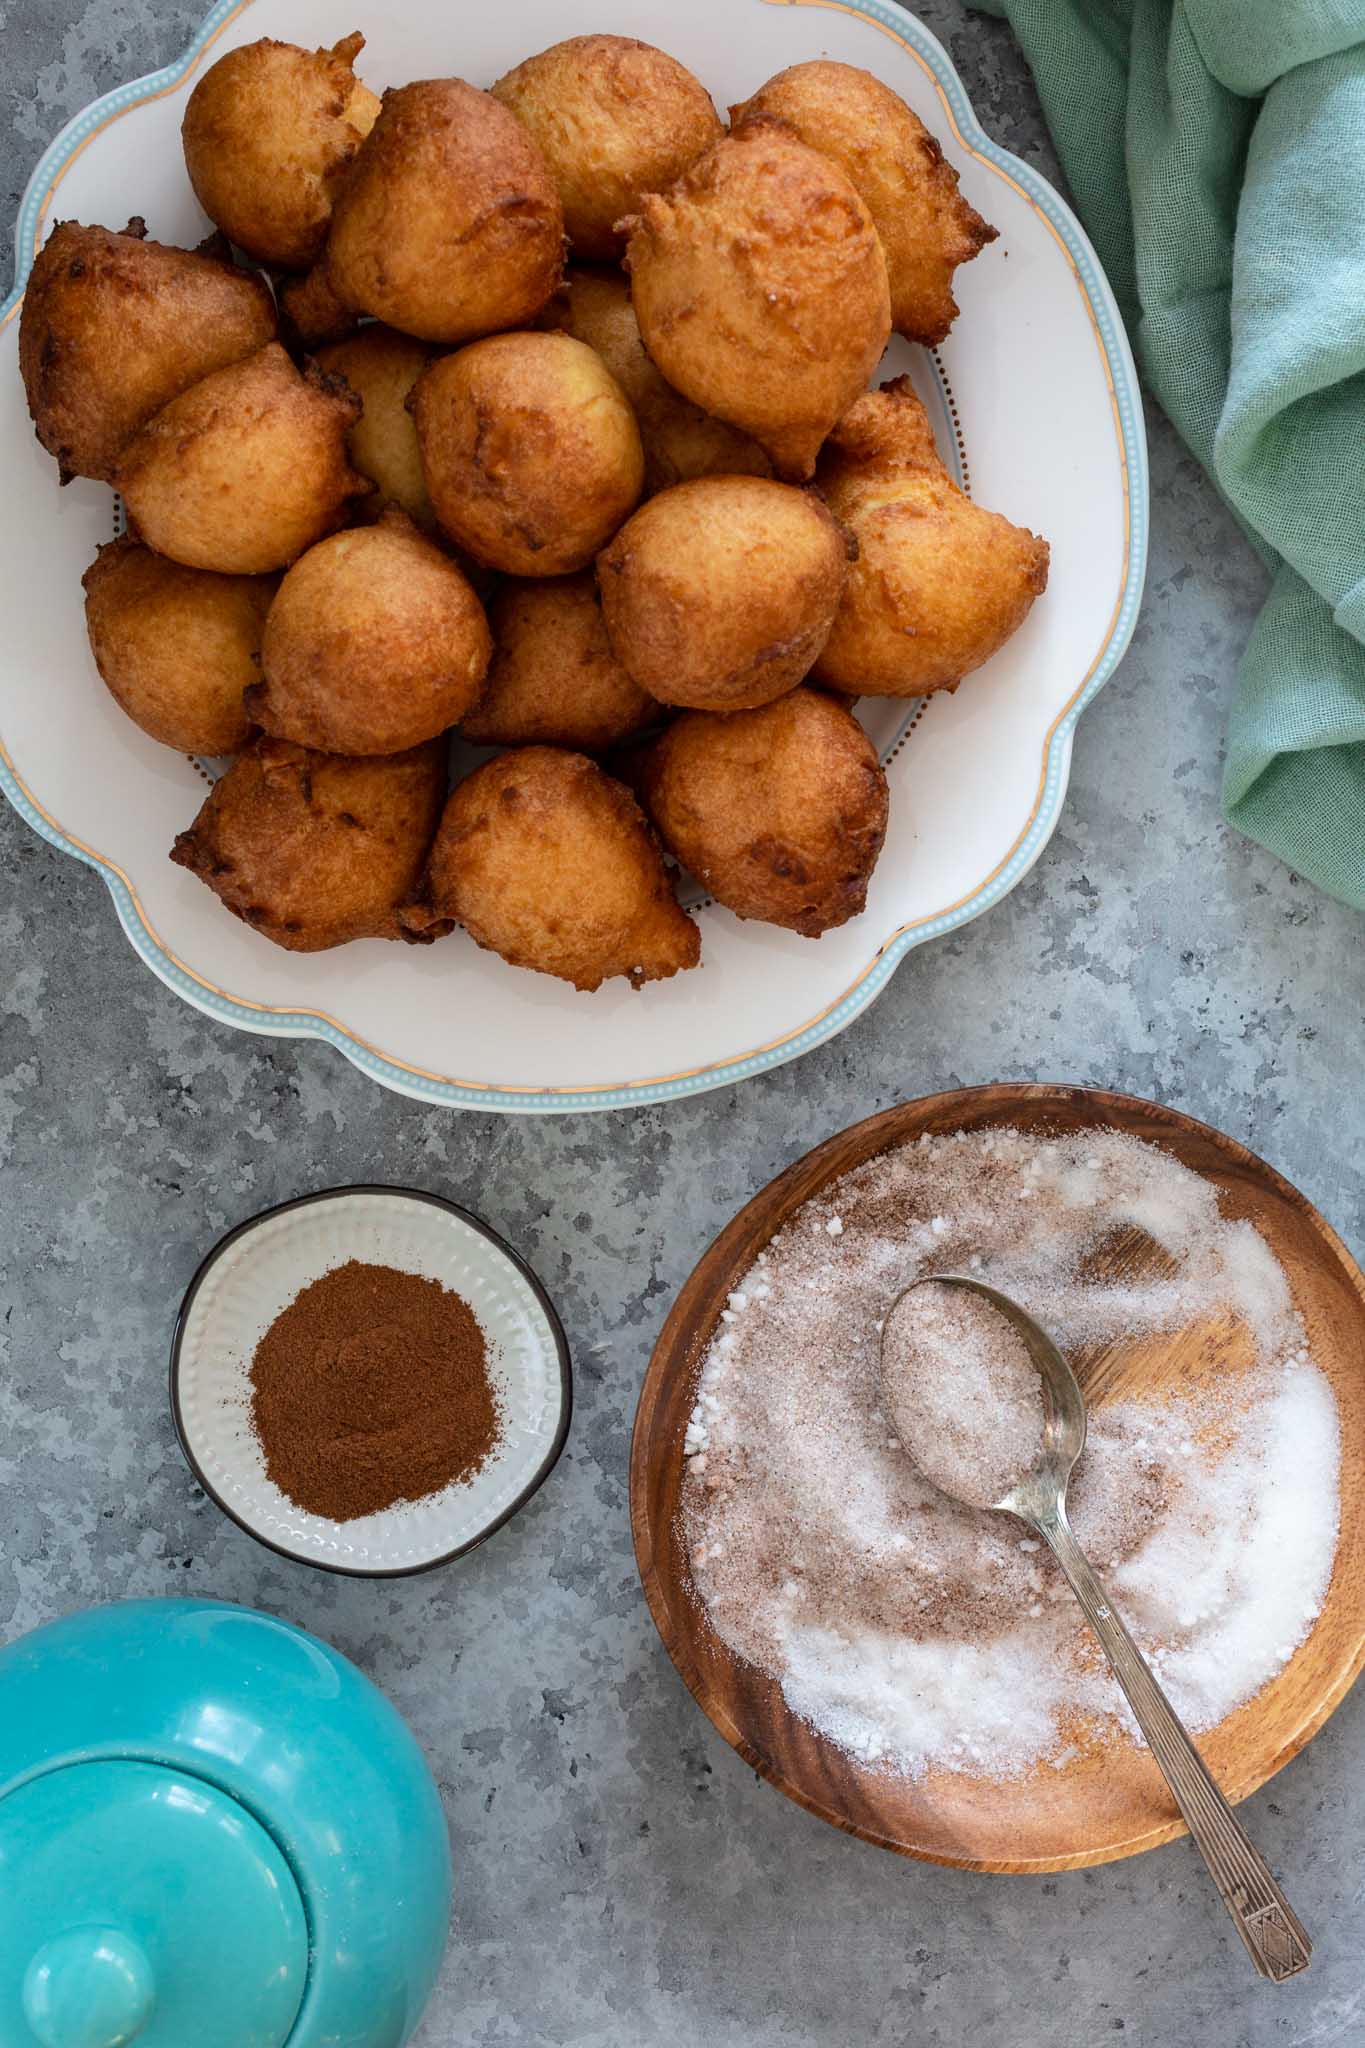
256	1271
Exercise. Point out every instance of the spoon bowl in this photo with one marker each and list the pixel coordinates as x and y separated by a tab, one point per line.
1037	1490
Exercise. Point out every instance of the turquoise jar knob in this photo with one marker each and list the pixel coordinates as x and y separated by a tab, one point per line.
143	1906
91	1987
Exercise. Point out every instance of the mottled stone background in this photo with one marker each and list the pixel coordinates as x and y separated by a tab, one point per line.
622	1878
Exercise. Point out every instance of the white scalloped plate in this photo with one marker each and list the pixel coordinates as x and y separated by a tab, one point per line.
256	1271
1035	401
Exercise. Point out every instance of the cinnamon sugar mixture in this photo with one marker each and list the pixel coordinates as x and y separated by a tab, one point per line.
963	1395
915	1634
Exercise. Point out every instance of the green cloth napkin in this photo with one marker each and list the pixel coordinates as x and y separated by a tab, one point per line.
1216	150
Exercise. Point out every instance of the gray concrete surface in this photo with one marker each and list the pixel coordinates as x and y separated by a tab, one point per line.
623	1880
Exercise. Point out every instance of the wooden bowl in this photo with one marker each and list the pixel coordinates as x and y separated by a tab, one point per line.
1111	1802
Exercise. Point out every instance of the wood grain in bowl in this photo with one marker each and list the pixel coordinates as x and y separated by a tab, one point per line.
1110	1800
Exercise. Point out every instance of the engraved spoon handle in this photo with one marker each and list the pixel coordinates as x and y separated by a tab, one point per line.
1262	1915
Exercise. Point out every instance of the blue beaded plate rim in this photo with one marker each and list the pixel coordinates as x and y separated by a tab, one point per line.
437	1089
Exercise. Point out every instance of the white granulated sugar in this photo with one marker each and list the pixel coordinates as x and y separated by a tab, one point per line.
1242	1574
962	1391
916	1634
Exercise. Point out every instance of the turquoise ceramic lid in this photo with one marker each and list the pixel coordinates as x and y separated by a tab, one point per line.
144	1908
284	1777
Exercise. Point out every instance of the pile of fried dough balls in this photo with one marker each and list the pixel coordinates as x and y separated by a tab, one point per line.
639	523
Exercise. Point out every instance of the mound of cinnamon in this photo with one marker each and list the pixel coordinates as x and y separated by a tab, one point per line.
371	1388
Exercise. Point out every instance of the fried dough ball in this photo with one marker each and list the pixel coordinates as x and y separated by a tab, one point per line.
269	133
548	861
374	644
780	812
940	583
554	680
718	594
530	451
114	326
244	470
614	119
310	311
381	368
925	225
781	342
177	647
680	440
312	850
449	225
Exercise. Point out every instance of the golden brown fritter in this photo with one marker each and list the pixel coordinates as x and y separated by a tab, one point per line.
718	593
269	133
925	225
780	812
939	584
244	470
761	291
312	850
381	367
614	119
680	440
554	680
113	326
177	647
449	225
310	311
547	861
374	644
529	449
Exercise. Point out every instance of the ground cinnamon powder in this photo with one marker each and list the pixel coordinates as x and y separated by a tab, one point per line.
371	1388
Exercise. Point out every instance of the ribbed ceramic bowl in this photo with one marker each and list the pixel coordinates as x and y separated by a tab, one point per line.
1035	403
256	1271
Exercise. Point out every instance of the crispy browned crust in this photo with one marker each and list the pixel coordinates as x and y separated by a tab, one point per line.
375	643
780	812
114	326
449	225
940	583
530	451
549	862
554	680
761	289
177	647
718	594
925	225
884	433
614	119
680	440
244	470
269	134
311	313
313	850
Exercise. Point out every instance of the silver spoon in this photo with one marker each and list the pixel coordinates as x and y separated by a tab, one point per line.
1261	1914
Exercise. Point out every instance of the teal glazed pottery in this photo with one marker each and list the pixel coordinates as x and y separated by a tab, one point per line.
214	1833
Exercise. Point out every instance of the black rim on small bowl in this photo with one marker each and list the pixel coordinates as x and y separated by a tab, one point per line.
547	1309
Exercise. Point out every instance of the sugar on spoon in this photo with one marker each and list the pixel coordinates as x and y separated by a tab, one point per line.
1272	1932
